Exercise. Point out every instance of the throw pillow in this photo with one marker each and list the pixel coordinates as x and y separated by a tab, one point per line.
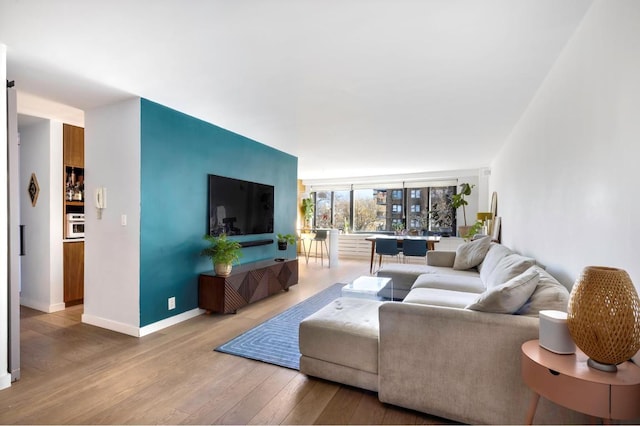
471	254
508	267
508	297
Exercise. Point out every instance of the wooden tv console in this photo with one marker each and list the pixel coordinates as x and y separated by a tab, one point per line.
247	283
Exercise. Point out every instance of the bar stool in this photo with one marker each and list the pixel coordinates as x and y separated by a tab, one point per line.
320	239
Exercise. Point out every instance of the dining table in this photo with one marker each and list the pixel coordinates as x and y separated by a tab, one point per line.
430	239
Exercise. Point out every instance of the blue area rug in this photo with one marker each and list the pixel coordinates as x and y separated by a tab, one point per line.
276	340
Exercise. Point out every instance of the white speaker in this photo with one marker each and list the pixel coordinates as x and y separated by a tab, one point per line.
554	333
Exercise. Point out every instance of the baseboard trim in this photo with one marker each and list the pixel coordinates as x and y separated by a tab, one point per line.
111	325
40	306
140	331
168	322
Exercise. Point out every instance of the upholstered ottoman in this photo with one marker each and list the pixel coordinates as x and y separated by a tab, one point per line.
340	343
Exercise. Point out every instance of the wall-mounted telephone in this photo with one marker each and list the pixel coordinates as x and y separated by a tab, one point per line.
101	197
101	200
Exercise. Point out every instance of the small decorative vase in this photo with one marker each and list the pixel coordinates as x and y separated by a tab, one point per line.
223	269
604	316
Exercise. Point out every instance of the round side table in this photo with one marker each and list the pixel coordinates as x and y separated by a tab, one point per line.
568	381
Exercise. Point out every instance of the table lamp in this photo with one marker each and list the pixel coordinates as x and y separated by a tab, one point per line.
604	316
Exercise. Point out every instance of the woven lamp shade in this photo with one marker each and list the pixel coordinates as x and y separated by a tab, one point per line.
604	315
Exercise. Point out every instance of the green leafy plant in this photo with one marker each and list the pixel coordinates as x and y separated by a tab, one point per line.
286	238
307	209
473	230
458	199
222	250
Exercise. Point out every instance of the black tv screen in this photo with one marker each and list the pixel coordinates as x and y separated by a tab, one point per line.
239	207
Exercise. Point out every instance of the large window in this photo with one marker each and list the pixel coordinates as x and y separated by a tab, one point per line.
384	210
369	210
342	210
323	209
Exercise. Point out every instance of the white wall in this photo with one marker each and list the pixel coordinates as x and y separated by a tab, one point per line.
112	251
567	177
5	377
41	266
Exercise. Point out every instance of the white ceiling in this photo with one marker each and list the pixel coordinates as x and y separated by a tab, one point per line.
351	87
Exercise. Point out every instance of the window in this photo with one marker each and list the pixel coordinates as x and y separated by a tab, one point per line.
374	210
323	209
369	211
342	210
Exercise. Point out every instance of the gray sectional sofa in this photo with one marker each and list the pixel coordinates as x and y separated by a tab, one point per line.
451	348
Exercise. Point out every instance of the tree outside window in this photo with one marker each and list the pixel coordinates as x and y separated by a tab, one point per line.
323	209
369	210
342	210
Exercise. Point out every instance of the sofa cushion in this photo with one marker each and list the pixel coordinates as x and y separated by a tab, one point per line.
548	294
508	267
494	254
403	275
509	297
444	258
469	255
345	332
440	297
469	283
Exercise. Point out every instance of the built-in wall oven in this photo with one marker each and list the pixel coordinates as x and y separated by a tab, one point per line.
75	225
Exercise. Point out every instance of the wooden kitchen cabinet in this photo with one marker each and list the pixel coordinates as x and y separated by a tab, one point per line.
73	146
73	272
73	175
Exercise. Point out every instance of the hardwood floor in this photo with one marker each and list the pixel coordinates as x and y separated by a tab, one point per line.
74	373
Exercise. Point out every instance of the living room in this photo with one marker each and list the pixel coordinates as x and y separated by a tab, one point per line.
561	173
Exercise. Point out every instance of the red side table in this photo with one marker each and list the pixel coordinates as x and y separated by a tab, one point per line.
568	381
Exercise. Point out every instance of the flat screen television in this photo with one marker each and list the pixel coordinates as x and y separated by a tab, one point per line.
239	207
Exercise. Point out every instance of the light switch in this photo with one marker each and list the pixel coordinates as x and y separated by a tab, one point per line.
123	220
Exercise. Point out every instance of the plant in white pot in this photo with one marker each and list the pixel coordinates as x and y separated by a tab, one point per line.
223	253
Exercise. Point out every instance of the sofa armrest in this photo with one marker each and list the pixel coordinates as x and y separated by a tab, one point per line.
456	363
441	258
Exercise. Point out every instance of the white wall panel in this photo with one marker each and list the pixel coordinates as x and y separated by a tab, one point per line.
112	251
567	176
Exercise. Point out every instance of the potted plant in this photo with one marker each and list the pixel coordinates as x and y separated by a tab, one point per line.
473	230
223	253
398	228
307	209
458	200
284	240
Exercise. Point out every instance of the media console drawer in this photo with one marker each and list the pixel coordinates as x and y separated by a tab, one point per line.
247	283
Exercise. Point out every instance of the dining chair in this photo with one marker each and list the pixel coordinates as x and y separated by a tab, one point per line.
414	248
386	247
320	239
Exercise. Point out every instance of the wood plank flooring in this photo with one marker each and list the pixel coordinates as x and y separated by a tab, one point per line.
74	373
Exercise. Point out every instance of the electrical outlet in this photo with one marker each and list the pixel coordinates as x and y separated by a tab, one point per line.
172	303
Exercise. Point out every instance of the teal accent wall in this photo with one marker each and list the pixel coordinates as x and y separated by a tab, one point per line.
177	153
